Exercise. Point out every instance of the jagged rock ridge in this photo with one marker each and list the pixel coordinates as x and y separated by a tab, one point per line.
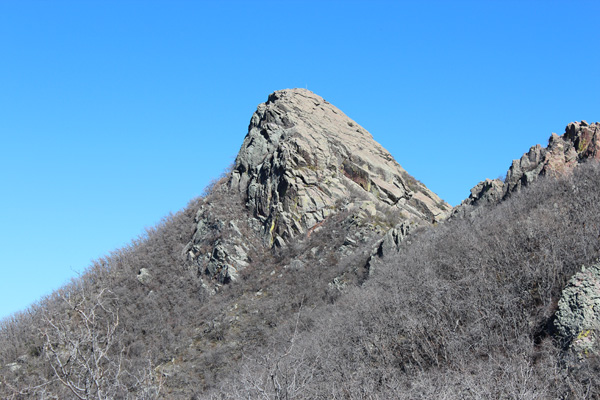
577	319
580	142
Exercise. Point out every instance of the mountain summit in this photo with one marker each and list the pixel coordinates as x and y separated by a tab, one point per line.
302	157
302	162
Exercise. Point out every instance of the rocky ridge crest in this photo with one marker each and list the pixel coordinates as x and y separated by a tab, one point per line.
580	142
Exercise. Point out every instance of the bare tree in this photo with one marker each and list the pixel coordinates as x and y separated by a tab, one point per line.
84	350
282	374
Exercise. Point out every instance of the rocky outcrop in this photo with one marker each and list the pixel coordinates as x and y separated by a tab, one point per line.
489	191
389	245
577	321
578	317
580	142
303	158
218	246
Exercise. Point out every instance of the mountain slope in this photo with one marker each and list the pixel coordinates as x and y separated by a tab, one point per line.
267	288
292	226
464	310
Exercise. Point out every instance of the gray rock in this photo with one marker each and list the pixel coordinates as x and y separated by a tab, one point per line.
13	367
224	263
578	317
488	191
348	241
279	242
227	274
301	162
235	228
144	276
390	244
302	156
337	284
217	261
239	256
296	265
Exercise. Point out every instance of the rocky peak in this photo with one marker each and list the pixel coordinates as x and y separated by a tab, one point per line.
302	166
303	159
580	142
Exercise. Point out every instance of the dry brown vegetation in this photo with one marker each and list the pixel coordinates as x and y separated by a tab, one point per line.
464	310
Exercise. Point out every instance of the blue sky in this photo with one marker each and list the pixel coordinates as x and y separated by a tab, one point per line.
115	113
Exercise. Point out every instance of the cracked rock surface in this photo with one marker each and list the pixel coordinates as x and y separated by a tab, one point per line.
303	156
302	162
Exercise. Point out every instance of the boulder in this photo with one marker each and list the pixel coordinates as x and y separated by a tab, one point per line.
578	317
144	276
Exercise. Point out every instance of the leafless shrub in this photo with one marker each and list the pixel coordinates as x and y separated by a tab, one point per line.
464	310
84	348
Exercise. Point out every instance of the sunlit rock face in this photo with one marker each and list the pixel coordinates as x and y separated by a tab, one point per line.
303	159
302	162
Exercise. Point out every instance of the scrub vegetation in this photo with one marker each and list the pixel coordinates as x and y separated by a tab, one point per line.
465	309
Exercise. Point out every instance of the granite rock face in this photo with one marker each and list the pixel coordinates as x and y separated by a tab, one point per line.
580	142
303	158
302	162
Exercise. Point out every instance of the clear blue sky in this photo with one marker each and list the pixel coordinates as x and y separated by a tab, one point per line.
115	113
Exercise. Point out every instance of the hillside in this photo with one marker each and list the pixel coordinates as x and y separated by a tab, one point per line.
317	267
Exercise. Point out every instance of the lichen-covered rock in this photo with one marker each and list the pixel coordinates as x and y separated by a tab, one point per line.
578	317
580	142
144	276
